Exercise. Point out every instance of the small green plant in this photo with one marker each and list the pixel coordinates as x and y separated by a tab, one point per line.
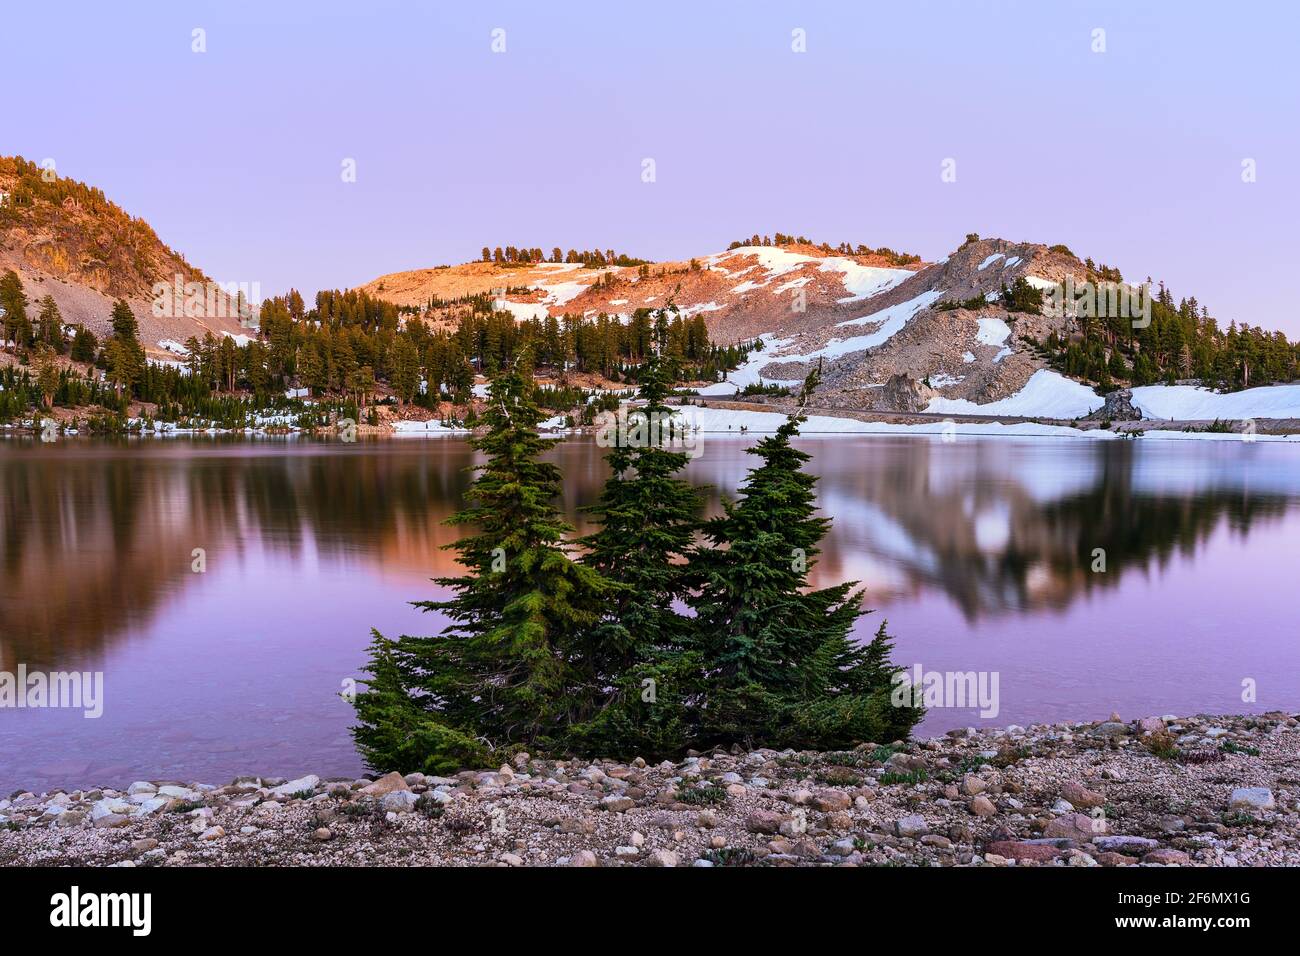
1232	747
839	777
304	795
729	856
185	806
1162	745
702	796
428	806
910	777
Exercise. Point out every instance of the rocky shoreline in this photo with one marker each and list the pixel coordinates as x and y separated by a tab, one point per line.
1200	791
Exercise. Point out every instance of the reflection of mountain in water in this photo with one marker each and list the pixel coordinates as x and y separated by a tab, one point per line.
94	538
1003	527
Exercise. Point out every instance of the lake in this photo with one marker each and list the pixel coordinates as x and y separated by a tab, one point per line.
980	553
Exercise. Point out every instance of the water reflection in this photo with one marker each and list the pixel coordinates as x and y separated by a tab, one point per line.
95	538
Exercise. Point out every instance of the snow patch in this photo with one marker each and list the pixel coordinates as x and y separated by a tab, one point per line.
1190	402
992	332
1047	394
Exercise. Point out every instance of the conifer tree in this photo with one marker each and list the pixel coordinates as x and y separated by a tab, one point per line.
513	667
647	519
780	667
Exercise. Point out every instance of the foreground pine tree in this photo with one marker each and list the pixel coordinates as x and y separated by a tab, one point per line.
514	668
780	667
647	519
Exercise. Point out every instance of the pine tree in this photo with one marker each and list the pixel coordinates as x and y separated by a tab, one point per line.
513	667
780	667
647	519
14	323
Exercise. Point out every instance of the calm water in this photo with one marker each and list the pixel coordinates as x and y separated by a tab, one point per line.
977	552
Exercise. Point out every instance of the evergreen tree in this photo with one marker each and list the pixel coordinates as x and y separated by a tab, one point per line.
647	519
513	668
13	310
780	667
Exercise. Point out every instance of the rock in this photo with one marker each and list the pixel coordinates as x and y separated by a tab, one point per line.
141	786
1022	850
1111	728
109	806
839	821
399	801
1115	859
111	820
626	852
388	783
1122	843
73	818
1167	857
1075	826
1252	798
577	825
617	804
903	393
982	806
764	821
972	785
512	859
829	801
1118	406
321	834
213	833
1080	796
1150	725
144	845
661	858
149	807
707	819
180	793
911	826
583	858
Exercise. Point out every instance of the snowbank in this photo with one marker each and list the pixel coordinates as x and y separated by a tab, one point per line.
431	427
1047	394
730	421
1191	403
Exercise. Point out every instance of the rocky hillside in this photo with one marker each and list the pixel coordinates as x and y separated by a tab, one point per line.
874	325
67	240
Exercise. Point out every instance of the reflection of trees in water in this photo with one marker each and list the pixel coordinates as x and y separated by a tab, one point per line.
994	544
94	538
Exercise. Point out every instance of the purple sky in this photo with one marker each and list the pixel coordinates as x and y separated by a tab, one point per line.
1132	156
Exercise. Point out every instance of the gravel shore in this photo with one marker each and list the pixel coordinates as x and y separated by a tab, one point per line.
1199	791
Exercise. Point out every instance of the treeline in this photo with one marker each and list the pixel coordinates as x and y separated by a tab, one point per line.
1183	341
588	258
657	633
349	345
843	248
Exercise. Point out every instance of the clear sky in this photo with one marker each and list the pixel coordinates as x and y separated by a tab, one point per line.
1132	156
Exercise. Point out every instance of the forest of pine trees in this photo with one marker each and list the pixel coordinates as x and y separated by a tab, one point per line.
559	651
1183	341
588	258
843	248
343	349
